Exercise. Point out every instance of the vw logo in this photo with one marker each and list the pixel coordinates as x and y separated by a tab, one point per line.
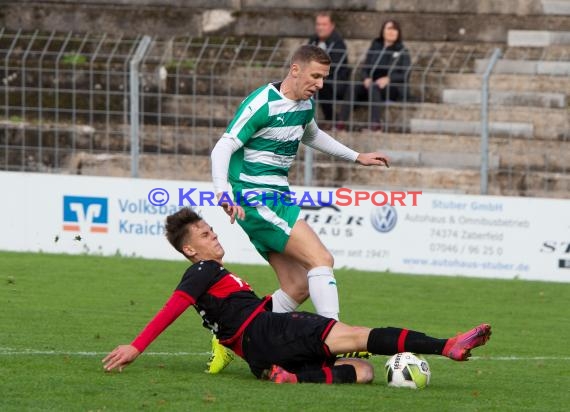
384	218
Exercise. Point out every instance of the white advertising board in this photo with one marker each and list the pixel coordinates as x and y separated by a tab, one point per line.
483	236
101	215
423	233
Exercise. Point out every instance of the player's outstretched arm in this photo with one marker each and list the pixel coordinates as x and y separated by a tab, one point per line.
120	357
319	140
373	159
221	155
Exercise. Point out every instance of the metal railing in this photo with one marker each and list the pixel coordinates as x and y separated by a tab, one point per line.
151	107
485	122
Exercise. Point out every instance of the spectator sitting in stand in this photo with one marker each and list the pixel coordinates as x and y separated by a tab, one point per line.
385	72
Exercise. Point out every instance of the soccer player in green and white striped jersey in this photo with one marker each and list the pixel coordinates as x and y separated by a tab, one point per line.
255	154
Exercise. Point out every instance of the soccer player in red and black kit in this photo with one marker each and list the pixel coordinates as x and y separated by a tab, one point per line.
281	347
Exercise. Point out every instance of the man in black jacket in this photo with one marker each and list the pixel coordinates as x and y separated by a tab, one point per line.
329	39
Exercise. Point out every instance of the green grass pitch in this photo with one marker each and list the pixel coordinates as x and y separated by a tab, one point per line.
60	314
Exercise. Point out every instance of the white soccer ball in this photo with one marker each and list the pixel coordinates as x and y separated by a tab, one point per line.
407	370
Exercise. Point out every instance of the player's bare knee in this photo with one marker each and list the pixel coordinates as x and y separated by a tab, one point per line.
300	294
322	258
298	291
359	335
364	372
328	259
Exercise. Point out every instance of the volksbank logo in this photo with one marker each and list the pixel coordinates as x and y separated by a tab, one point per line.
85	214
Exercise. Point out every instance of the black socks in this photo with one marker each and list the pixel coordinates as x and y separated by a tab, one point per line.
335	374
388	341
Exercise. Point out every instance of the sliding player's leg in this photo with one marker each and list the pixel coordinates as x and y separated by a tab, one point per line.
388	341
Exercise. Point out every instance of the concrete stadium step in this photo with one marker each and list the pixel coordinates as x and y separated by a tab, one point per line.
556	7
555	52
216	109
540	117
67	138
406	150
466	181
151	166
338	175
537	38
547	194
545	155
179	140
553	68
519	154
542	184
452	160
510	82
244	79
519	130
427	159
506	98
17	133
513	121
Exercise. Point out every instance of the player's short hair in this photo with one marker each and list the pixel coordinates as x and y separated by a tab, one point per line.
328	14
309	53
177	226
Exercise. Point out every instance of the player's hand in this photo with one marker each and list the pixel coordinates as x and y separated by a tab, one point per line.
367	83
232	211
373	159
120	357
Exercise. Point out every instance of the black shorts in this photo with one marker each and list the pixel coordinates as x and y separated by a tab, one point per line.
294	341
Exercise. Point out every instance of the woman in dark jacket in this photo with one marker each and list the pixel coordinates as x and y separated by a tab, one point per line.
385	73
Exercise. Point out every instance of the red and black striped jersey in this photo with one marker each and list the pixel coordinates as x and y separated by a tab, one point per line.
225	302
222	299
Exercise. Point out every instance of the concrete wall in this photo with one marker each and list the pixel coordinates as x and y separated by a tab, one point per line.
424	20
508	7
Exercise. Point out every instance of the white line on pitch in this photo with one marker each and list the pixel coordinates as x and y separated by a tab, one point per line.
519	358
26	352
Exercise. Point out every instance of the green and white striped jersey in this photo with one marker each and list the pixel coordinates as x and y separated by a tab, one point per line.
270	126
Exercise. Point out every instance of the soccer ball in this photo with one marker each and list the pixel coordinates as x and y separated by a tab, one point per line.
407	370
